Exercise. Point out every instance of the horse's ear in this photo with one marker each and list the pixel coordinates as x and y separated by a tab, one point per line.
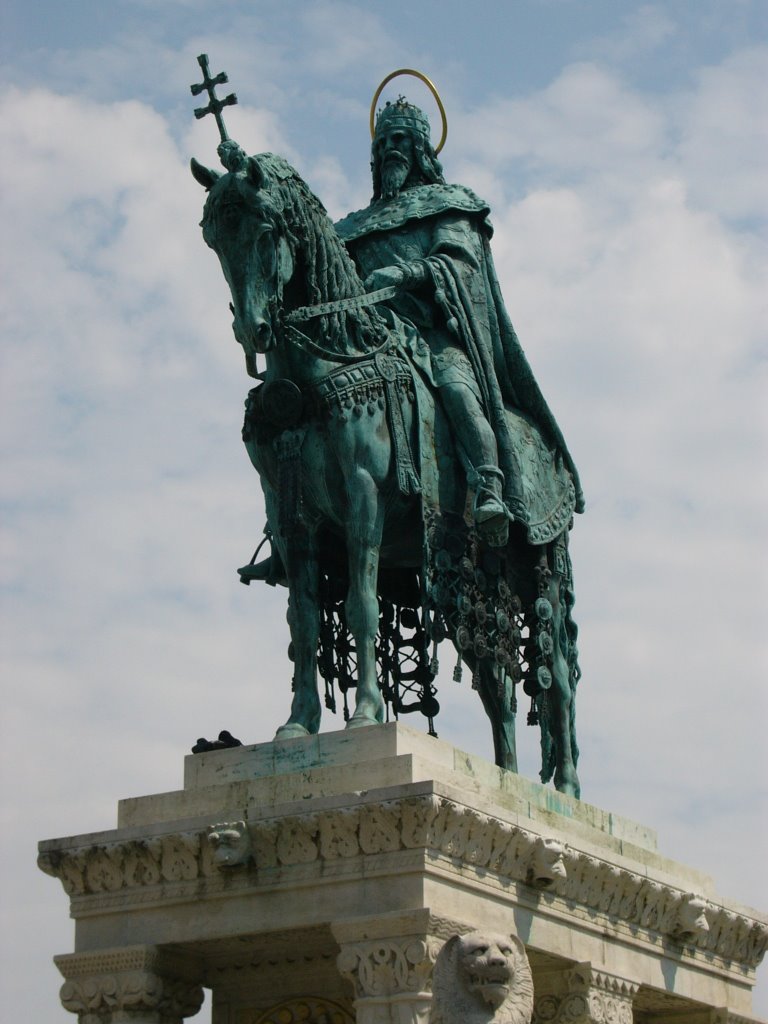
204	175
257	174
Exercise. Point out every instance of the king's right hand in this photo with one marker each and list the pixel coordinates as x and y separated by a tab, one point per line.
384	277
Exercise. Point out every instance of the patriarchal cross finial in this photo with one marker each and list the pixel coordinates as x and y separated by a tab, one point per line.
216	105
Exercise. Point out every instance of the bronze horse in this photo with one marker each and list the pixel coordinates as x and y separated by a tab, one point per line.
346	435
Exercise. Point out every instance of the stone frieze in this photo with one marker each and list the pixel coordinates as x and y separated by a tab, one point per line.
502	851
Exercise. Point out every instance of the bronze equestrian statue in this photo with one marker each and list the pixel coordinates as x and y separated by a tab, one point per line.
417	486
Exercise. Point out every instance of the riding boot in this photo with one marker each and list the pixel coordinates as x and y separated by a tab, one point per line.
489	511
269	570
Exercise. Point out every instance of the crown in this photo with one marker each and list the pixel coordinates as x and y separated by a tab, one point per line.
402	114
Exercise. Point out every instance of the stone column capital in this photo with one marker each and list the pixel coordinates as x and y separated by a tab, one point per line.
131	984
389	961
588	994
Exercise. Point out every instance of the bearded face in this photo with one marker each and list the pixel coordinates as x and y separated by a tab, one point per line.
394	174
395	154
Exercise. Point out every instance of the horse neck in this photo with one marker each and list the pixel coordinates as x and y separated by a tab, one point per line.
339	280
293	361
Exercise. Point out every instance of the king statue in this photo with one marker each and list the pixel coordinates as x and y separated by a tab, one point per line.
431	240
430	243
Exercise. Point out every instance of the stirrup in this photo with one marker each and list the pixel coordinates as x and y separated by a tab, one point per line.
269	570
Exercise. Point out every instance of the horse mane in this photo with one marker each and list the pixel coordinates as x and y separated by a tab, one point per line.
319	253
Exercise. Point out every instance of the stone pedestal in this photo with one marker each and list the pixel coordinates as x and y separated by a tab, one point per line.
317	879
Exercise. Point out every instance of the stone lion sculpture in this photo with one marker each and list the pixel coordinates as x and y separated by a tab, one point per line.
691	922
547	864
231	844
482	978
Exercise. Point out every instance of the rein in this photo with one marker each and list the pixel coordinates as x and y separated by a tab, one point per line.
304	313
341	305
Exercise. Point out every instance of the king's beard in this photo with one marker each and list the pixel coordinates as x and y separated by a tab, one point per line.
394	173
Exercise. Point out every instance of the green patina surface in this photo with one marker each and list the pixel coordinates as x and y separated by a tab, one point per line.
417	484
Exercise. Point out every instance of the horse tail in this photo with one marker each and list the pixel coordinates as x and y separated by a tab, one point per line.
567	641
548	749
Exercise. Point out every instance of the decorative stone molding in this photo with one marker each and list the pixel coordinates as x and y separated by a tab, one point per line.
110	867
388	958
482	978
138	983
391	977
434	824
388	967
592	996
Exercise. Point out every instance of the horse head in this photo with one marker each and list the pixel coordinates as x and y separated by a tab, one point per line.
244	227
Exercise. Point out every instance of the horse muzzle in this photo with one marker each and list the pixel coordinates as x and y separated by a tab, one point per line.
256	335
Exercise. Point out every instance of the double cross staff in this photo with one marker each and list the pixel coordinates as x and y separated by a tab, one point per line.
216	105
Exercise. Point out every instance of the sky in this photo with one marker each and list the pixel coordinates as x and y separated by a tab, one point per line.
622	147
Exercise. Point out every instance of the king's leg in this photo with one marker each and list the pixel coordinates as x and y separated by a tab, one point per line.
475	436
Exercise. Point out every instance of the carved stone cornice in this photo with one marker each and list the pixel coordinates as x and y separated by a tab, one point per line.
131	981
139	869
590	996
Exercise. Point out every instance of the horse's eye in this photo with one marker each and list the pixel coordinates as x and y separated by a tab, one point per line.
266	246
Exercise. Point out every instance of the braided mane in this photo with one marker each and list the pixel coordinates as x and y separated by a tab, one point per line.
319	254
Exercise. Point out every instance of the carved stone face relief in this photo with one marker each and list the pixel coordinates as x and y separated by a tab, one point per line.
547	863
482	978
692	920
487	966
231	844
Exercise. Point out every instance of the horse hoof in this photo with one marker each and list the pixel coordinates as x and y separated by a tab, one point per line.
568	788
290	731
360	721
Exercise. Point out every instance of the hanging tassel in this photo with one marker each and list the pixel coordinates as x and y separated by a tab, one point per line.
533	714
457	671
434	665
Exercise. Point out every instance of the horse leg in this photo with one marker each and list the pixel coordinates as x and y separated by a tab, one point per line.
364	531
304	622
497	701
561	698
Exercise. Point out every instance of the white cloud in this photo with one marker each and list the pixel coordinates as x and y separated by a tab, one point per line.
724	135
624	238
585	122
642	30
342	36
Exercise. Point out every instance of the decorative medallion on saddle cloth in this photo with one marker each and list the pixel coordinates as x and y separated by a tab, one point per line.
470	600
406	672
